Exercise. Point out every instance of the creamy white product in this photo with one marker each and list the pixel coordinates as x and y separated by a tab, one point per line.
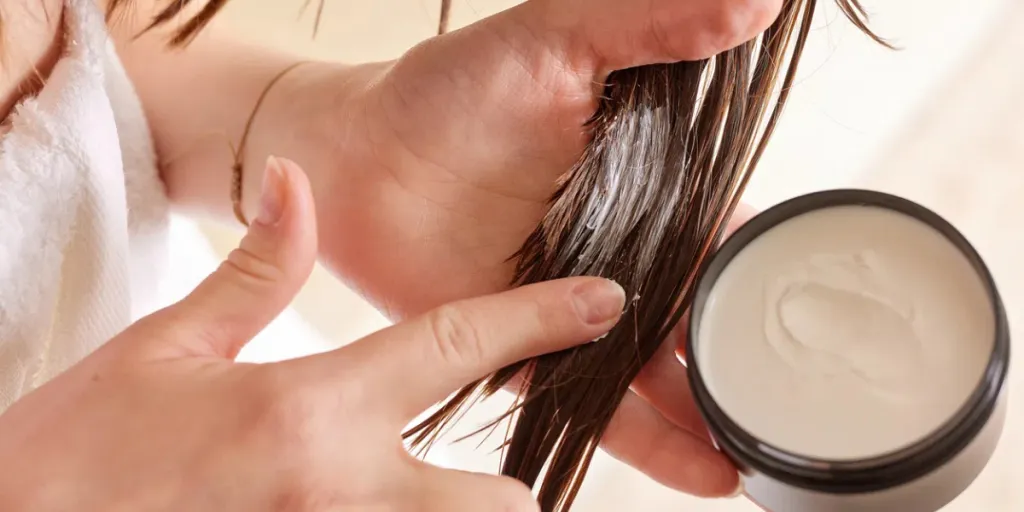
845	333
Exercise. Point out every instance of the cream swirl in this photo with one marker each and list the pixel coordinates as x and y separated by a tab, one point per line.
834	314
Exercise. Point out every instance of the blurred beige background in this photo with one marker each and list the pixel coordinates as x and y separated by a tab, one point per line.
941	122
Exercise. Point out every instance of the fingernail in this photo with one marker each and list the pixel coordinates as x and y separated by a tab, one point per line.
599	300
738	491
272	194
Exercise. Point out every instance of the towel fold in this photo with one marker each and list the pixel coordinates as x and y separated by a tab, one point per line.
83	214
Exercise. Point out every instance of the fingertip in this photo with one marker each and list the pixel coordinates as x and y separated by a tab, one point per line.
519	497
740	216
297	216
609	35
598	301
670	455
293	171
707	472
739	490
762	14
297	183
734	22
274	197
732	481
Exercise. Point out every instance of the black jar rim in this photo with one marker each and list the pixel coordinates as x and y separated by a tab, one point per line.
846	476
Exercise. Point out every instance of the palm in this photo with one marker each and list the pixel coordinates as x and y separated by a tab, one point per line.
467	142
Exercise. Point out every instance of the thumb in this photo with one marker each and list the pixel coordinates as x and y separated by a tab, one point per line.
259	278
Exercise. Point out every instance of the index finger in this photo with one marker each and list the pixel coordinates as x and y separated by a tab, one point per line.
419	362
743	213
620	35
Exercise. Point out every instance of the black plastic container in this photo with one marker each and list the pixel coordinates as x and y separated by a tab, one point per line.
923	477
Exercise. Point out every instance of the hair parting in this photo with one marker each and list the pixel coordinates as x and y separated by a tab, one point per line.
673	147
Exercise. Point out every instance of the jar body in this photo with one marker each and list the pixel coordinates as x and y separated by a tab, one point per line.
928	493
924	477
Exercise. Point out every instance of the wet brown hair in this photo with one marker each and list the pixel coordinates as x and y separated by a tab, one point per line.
174	9
672	149
200	19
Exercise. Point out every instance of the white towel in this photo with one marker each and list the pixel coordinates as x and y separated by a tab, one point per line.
83	214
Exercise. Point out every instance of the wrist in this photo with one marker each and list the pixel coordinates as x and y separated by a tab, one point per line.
312	116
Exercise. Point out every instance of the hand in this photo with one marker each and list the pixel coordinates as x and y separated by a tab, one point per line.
161	418
457	147
451	153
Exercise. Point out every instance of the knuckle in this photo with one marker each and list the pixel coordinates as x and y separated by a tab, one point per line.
552	314
668	39
301	495
285	413
323	493
296	423
760	14
253	269
456	337
724	25
725	28
183	329
742	20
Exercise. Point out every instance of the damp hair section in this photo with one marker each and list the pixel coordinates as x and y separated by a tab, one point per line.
672	148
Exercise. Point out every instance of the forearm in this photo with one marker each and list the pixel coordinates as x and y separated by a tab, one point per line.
199	99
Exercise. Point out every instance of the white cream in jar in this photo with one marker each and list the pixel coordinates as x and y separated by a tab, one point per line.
845	333
849	350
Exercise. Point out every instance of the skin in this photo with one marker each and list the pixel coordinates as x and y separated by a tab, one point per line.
34	25
207	434
448	153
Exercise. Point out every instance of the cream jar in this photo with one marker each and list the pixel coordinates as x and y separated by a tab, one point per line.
849	350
